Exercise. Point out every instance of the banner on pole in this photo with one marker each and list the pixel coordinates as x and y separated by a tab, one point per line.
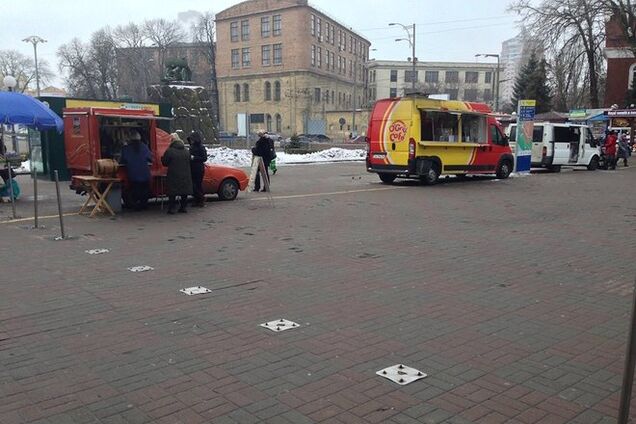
525	128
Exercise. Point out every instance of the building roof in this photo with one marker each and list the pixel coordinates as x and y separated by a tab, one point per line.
374	63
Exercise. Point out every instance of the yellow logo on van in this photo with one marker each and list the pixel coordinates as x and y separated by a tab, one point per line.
397	132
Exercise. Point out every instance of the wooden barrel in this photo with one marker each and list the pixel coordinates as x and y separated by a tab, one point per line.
105	168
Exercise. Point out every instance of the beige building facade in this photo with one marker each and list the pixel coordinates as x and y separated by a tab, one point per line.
285	66
468	81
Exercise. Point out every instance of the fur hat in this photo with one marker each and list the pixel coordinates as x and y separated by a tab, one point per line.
175	137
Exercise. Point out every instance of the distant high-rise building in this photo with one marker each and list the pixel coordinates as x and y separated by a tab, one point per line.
515	53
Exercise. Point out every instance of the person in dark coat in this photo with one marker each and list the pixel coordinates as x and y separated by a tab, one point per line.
198	157
179	181
624	150
264	150
137	158
610	150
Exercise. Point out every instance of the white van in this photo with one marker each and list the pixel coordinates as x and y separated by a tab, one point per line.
555	145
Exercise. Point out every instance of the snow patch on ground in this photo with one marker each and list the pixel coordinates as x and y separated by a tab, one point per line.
243	157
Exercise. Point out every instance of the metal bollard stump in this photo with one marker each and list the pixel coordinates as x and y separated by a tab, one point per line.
59	203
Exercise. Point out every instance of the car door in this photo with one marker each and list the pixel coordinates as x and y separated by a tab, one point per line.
561	140
537	144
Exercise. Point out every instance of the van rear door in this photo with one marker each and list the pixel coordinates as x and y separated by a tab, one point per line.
537	144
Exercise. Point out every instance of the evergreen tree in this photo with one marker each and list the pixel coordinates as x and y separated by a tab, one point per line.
532	83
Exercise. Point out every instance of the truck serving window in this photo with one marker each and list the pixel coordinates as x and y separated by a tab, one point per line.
439	126
115	132
474	129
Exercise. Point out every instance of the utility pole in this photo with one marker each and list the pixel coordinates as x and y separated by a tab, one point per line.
496	76
353	118
34	39
411	40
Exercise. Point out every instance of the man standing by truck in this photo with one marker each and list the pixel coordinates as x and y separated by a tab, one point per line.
137	158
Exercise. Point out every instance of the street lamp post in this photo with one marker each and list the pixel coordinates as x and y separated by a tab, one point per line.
10	82
34	39
411	40
497	76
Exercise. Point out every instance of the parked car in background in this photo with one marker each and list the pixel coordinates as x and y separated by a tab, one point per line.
320	138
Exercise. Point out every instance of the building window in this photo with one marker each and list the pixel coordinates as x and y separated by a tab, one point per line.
319	57
326	96
452	76
313	25
318	29
332	34
265	55
265	27
393	92
235	59
276	26
246	57
471	77
313	55
327	60
279	123
452	93
393	77
333	61
277	91
333	97
487	95
355	47
268	122
237	93
350	44
268	91
410	76
245	30
344	65
246	92
316	95
234	35
470	94
488	77
327	27
431	76
278	54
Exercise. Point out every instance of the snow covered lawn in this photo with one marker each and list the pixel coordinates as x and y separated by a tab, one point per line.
243	157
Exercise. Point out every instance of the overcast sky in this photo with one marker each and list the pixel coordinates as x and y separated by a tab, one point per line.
447	30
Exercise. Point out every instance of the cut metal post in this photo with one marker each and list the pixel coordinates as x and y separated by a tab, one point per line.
35	196
628	374
11	194
59	203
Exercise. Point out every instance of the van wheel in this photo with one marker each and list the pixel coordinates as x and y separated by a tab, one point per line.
504	169
431	177
387	178
593	165
555	168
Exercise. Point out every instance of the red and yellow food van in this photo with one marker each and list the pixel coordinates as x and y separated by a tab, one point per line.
100	133
418	137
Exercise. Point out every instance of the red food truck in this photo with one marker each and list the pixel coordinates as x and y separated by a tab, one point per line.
100	133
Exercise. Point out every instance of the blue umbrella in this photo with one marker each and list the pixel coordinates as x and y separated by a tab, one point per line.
17	108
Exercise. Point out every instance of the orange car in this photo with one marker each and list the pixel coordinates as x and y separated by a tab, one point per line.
99	133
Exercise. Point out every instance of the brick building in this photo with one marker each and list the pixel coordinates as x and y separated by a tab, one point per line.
284	66
621	64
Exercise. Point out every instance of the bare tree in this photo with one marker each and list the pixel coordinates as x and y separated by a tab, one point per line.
563	23
163	34
75	63
90	68
22	68
204	32
103	56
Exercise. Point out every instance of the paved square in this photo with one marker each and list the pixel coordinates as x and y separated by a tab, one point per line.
513	296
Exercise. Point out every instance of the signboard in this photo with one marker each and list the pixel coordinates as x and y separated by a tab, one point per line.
525	128
577	114
113	105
